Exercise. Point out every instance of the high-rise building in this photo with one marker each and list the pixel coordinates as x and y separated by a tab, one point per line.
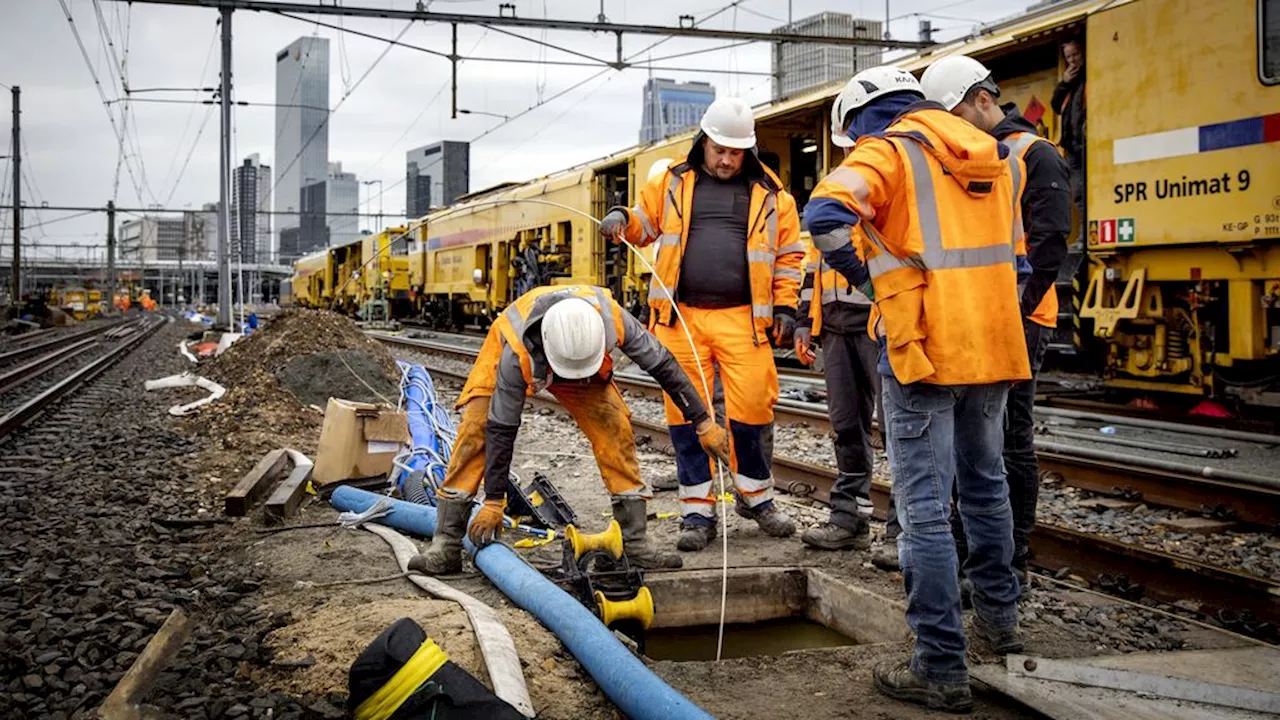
672	107
150	238
342	202
436	175
251	211
798	67
302	130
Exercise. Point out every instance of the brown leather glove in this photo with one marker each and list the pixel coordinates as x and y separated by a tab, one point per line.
487	523
714	440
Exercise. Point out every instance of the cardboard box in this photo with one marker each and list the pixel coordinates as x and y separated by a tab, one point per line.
358	440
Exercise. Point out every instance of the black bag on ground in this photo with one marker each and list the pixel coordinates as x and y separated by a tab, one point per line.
403	675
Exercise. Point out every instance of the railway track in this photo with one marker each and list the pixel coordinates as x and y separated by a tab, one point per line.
1243	602
76	349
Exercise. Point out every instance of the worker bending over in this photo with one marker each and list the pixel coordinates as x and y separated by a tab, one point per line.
557	338
964	86
729	259
838	314
935	199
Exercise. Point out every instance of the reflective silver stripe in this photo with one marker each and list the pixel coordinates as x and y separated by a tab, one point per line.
849	179
771	219
794	247
884	261
814	266
752	491
762	311
926	200
834	240
828	296
760	256
657	291
1016	172
788	273
644	222
1019	142
516	318
701	491
666	239
605	308
806	295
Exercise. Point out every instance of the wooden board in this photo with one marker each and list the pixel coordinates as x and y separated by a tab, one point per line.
254	485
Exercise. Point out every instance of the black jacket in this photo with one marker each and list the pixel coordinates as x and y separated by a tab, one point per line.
1046	208
1068	103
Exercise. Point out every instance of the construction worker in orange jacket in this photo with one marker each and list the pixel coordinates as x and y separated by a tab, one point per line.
936	201
729	261
557	338
964	86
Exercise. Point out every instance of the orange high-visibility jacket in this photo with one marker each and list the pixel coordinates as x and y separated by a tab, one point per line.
1046	313
775	253
938	207
828	286
509	328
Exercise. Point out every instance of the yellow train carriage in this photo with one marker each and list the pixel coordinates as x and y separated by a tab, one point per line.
1184	194
307	284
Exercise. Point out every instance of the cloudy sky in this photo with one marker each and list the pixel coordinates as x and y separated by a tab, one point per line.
384	104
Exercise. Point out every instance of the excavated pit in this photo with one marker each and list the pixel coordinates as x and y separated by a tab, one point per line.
768	611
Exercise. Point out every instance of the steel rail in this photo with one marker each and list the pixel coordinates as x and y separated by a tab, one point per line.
33	407
18	376
51	343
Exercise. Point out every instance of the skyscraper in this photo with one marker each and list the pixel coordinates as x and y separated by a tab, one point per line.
672	107
435	175
302	138
250	208
798	67
342	201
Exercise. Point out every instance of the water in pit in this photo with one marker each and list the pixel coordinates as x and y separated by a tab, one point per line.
768	637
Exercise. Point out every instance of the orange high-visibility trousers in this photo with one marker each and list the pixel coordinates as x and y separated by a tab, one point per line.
598	409
726	338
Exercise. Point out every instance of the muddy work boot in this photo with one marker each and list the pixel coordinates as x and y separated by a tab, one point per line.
896	680
444	557
631	515
666	483
885	556
695	537
1003	641
830	536
771	520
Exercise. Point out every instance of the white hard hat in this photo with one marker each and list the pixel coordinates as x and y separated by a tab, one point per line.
573	338
862	89
948	80
658	168
729	122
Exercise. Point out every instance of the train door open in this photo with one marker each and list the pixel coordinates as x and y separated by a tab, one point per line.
610	188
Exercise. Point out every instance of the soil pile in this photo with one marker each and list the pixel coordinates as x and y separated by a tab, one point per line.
300	358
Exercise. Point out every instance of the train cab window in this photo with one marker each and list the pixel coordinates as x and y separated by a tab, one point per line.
1269	41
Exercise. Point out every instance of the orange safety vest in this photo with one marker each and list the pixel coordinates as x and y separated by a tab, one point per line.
829	286
939	250
775	252
1046	313
509	328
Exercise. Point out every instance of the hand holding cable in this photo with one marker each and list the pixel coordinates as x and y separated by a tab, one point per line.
487	523
804	345
714	440
614	225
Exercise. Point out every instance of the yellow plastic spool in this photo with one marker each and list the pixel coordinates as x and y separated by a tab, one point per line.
609	541
639	608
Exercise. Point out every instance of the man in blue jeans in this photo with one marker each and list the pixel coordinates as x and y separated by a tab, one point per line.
936	199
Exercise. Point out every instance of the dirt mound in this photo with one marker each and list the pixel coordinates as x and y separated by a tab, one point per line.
348	374
293	333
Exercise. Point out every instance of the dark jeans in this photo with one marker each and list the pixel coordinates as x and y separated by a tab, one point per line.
849	367
944	436
1079	188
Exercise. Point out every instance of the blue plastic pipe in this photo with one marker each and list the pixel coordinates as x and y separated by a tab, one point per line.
633	687
420	406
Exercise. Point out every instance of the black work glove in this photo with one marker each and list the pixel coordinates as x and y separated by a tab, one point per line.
784	328
614	225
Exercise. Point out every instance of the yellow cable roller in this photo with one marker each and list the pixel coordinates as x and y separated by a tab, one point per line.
638	608
609	541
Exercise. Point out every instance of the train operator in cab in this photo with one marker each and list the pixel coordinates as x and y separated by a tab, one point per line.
729	251
557	338
935	200
964	86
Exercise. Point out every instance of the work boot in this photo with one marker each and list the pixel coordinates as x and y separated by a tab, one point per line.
1003	641
771	520
885	556
444	557
695	537
896	680
631	515
830	536
667	483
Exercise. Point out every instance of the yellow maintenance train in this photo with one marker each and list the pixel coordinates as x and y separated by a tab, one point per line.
1174	284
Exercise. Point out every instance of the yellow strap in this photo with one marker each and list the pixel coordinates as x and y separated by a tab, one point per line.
425	662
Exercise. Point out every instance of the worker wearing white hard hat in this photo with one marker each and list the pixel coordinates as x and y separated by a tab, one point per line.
936	200
729	267
965	87
557	338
